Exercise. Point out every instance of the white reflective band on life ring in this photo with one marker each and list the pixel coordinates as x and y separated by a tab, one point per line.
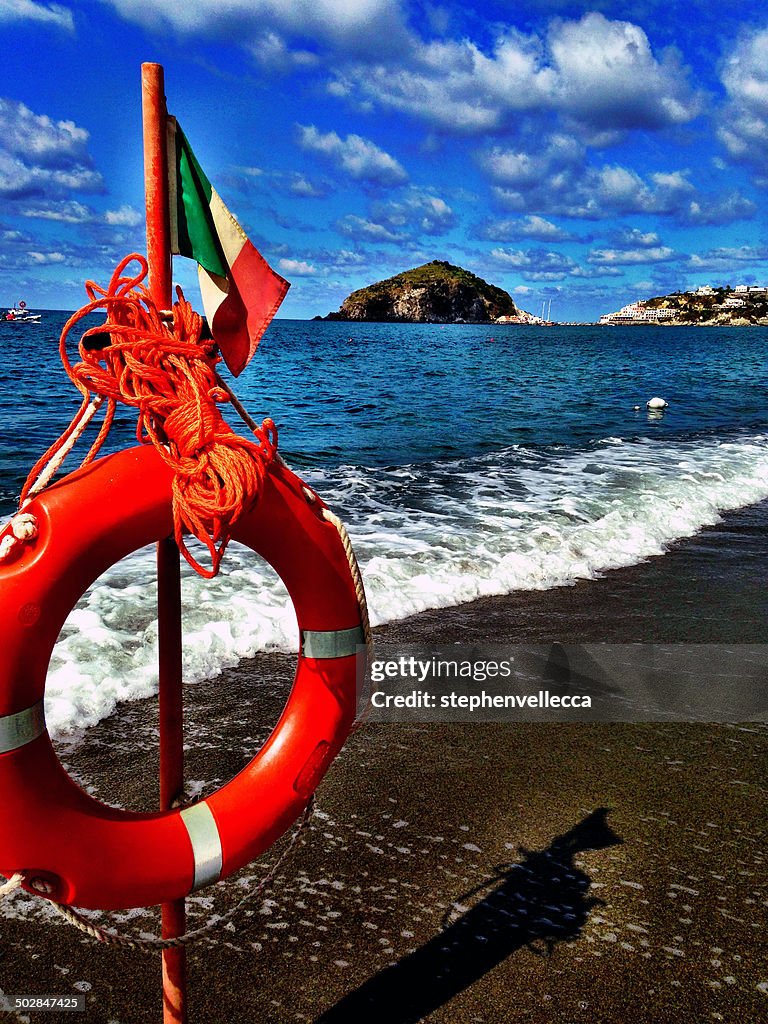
206	844
23	727
331	643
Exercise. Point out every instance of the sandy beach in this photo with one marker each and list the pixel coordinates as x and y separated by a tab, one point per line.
472	873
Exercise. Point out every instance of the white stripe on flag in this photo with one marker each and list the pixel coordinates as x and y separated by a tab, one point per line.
231	236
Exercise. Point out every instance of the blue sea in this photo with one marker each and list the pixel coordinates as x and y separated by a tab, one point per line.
466	461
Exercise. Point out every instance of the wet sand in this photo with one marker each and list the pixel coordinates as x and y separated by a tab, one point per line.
473	873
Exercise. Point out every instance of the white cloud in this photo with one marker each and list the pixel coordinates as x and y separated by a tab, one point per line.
535	264
633	237
538	227
69	211
38	138
421	212
588	192
555	179
360	27
46	14
728	258
713	210
347	258
621	188
294	183
533	226
608	76
547	265
403	221
19	181
19	249
366	230
272	52
743	122
124	216
454	85
522	169
603	270
298	268
602	76
358	157
42	157
632	257
43	258
300	185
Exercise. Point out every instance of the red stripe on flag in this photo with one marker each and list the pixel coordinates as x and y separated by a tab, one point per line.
255	292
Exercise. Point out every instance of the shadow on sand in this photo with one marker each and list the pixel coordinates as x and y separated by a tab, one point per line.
534	903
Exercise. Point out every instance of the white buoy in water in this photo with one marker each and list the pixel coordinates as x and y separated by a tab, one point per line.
656	403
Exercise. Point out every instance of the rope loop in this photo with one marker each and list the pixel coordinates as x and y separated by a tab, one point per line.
157	362
149	943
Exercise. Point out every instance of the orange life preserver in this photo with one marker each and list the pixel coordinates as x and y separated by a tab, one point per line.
97	856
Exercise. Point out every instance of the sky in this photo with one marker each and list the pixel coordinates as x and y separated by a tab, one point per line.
587	154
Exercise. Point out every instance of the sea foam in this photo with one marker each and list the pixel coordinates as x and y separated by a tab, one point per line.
427	536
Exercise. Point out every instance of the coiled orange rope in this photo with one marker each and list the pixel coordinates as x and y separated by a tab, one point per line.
161	367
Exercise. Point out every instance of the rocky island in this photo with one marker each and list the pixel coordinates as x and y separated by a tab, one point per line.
436	292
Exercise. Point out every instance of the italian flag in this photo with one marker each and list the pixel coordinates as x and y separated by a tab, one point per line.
241	293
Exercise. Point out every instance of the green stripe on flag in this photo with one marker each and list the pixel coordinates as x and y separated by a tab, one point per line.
198	238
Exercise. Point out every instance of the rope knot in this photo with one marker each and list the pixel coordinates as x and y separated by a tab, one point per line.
22	528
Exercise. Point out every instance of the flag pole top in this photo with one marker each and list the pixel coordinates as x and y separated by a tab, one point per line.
154	116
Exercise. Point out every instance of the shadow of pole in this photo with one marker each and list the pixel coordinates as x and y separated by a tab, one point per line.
534	903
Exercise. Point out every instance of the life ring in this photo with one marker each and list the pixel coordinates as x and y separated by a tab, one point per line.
96	856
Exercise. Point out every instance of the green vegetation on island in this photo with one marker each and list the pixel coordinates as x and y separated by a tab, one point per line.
436	292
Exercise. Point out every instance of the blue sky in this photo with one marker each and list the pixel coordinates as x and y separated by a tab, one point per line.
590	154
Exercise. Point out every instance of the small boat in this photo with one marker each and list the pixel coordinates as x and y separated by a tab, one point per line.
20	314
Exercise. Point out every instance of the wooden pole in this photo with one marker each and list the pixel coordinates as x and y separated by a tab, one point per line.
168	571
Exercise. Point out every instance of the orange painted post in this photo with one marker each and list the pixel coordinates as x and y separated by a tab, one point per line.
168	573
156	183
